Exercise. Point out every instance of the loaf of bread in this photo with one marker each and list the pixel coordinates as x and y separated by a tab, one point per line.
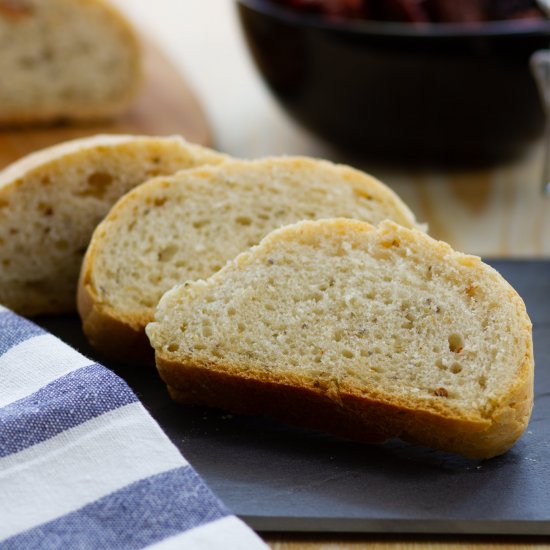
51	201
65	59
365	332
188	226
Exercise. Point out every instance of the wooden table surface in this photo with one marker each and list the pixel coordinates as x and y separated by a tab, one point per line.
495	212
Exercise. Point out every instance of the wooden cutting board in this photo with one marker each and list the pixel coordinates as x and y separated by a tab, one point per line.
165	106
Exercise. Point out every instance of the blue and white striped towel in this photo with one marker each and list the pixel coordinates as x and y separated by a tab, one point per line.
83	465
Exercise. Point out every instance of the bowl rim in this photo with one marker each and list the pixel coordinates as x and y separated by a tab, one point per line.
508	27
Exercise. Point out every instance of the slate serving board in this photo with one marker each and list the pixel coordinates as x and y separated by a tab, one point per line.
279	478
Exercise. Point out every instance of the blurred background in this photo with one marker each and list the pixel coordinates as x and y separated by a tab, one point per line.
447	114
493	208
204	39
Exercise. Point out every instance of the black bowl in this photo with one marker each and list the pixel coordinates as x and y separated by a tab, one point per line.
443	92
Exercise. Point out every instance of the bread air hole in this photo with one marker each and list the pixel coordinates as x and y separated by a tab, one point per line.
456	343
363	194
200	223
167	253
243	220
45	209
154	278
409	322
97	185
456	368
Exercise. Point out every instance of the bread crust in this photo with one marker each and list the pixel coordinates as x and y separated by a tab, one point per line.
26	165
91	112
116	339
290	401
119	339
362	418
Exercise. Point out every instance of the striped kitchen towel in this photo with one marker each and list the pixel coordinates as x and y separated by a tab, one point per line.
83	465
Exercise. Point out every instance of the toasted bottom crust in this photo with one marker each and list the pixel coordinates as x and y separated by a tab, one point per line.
357	417
111	336
295	405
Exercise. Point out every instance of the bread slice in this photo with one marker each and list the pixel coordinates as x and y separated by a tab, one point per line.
188	226
365	332
51	201
65	59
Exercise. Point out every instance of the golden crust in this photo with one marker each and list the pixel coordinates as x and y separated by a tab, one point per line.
351	415
195	384
116	339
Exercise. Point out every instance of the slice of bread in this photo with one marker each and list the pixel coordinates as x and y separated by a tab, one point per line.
188	226
65	59
365	332
51	201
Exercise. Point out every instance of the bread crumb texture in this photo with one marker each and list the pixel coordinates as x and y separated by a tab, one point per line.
389	325
51	201
188	226
65	59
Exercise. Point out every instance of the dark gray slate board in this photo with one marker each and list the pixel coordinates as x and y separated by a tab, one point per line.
279	478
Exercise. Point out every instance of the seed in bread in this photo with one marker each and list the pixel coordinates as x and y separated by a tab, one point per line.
188	226
366	332
51	201
65	59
